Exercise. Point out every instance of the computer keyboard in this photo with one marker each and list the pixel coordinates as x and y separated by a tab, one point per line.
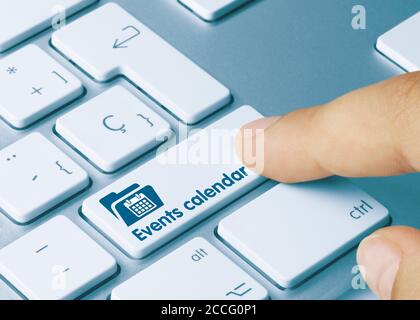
105	197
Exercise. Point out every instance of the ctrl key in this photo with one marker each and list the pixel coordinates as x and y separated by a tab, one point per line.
195	271
292	231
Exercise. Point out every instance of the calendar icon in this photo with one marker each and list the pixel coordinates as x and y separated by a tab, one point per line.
132	204
140	205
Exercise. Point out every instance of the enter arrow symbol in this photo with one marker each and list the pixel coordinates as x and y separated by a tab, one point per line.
118	45
121	44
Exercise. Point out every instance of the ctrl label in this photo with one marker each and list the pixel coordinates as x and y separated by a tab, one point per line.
360	210
199	255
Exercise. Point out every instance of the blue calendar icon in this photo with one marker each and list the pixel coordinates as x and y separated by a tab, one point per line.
132	204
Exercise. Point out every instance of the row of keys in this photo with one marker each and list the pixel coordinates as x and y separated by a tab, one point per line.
319	222
39	85
59	261
314	224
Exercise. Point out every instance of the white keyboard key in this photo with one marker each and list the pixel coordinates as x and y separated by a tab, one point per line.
195	271
35	177
110	42
401	44
36	86
168	195
292	231
55	261
120	128
21	19
211	10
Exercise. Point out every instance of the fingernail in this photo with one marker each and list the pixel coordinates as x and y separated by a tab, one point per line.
381	260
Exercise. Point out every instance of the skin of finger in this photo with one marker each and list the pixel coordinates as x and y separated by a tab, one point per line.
370	132
407	282
380	260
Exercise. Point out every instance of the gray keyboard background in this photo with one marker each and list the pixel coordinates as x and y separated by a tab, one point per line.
296	53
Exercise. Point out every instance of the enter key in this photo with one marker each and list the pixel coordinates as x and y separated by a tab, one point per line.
109	42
